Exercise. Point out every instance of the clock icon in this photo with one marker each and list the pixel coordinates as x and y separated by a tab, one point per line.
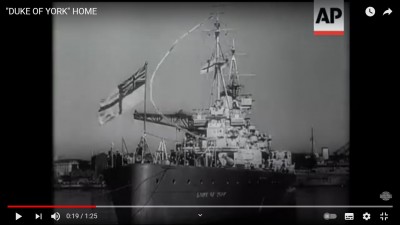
370	11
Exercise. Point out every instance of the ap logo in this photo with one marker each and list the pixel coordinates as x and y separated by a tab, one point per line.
328	17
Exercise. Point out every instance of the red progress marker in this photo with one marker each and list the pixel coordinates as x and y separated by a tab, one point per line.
329	33
51	206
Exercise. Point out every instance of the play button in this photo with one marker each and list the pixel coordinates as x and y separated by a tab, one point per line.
17	216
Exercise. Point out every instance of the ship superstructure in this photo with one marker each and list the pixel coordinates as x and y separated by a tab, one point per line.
222	160
221	135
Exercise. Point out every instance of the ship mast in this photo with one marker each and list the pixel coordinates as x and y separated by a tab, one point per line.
218	67
220	60
233	73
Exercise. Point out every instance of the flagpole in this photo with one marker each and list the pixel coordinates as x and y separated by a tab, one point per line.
145	91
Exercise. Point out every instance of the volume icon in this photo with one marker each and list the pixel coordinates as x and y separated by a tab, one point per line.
56	216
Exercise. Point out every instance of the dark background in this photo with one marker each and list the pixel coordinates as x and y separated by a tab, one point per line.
27	95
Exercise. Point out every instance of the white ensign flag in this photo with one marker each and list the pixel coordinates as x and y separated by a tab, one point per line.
127	95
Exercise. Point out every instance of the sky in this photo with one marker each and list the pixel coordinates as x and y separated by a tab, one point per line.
301	81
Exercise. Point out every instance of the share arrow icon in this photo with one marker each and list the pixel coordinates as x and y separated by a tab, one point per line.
388	11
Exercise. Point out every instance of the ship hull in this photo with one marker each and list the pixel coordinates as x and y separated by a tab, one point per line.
157	185
322	179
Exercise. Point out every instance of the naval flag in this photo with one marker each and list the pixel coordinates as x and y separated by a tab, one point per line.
128	94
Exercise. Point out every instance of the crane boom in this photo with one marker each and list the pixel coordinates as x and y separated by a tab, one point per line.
184	120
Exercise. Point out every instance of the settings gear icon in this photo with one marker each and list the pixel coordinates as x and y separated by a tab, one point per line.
366	216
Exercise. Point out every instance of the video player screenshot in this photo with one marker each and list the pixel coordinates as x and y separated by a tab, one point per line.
199	112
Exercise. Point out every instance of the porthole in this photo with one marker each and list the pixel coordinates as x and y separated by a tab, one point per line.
173	181
188	181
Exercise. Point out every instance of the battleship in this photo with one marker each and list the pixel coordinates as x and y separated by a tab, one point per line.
222	165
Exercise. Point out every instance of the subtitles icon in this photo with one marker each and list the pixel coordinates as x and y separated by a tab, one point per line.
349	216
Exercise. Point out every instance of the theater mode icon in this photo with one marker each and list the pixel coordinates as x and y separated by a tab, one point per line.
349	216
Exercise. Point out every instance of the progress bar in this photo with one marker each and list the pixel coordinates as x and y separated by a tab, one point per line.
245	206
192	206
51	206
